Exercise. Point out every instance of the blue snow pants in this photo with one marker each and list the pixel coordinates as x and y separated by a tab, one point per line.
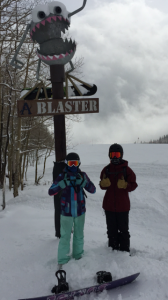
67	223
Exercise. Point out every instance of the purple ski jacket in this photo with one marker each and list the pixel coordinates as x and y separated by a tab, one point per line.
115	199
72	199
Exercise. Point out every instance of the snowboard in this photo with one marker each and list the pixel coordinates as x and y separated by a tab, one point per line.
92	289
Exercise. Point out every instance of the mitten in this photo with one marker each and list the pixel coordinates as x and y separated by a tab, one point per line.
80	180
62	184
105	182
84	183
122	184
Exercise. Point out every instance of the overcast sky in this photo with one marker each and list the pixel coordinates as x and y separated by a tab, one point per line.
125	48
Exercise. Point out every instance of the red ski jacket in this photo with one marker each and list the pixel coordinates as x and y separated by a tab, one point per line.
115	199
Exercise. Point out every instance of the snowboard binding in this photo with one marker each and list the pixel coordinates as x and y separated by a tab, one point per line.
103	276
62	284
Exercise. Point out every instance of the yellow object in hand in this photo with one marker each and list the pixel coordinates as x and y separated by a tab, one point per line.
122	184
105	182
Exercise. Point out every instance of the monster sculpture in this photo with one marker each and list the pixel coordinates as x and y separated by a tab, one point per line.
48	23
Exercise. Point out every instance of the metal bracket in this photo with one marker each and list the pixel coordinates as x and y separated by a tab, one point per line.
72	68
15	62
78	10
39	86
38	69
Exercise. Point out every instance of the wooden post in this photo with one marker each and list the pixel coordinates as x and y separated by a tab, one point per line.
57	79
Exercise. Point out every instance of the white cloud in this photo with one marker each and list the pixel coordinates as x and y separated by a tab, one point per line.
125	45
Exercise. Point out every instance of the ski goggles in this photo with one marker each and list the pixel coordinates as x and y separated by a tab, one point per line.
115	154
71	163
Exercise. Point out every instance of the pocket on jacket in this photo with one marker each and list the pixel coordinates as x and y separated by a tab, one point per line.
62	203
82	204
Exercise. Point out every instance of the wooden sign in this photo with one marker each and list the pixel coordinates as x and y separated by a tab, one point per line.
31	108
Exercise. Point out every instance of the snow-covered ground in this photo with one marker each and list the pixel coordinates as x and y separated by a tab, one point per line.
28	247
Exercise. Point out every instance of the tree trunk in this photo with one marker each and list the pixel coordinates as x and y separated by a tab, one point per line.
3	189
27	162
17	164
36	166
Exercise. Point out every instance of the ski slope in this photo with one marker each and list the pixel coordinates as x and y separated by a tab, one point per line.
28	247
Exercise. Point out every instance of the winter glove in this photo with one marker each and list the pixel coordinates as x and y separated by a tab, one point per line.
122	184
105	182
80	180
62	183
84	183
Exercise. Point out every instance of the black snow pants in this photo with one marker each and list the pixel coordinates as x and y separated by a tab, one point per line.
118	230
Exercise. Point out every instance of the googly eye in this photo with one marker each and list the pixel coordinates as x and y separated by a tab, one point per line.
41	15
40	12
58	9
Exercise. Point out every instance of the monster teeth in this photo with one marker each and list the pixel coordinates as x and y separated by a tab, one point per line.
54	18
62	34
49	19
43	22
54	57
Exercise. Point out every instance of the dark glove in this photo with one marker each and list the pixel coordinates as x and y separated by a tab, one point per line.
80	180
65	182
122	184
63	185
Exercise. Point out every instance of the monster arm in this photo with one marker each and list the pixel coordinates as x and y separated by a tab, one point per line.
76	11
15	62
72	67
38	69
